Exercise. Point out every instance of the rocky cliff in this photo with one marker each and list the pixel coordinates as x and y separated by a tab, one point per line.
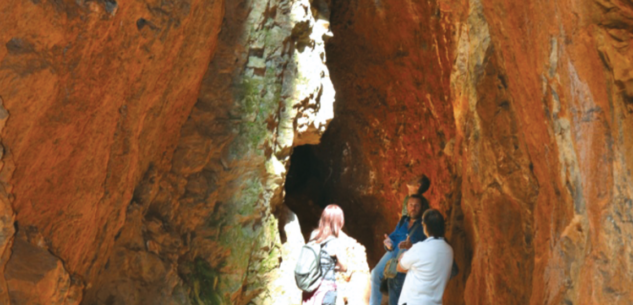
519	112
146	145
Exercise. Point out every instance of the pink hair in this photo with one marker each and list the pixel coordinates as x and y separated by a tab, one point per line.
331	222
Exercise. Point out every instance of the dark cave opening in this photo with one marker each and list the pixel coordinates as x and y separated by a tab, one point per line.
308	190
391	122
313	182
305	191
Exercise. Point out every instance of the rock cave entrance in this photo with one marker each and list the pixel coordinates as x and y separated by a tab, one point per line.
306	194
304	188
393	119
308	189
145	146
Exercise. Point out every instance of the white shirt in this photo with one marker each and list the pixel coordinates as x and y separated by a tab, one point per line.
429	268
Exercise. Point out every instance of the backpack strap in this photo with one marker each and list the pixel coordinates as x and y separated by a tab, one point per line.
330	238
416	226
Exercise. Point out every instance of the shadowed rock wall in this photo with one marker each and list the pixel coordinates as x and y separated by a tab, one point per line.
204	232
146	143
95	92
520	114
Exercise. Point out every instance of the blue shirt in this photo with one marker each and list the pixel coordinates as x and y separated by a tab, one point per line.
416	233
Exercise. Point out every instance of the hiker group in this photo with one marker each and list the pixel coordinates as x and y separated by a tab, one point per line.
416	266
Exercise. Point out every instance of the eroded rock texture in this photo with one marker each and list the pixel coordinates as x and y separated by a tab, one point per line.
204	232
146	143
519	112
95	93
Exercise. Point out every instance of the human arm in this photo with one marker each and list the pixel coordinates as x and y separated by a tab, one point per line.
341	257
341	264
396	236
415	233
403	268
388	243
406	244
409	257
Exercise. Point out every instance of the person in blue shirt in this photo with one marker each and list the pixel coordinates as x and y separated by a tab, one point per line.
408	232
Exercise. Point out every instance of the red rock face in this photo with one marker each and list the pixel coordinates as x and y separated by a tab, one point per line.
519	113
146	144
96	92
395	118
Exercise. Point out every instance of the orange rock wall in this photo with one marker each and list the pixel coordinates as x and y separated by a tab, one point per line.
393	116
96	92
519	112
147	145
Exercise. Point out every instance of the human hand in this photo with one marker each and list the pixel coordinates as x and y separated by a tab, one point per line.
406	244
387	242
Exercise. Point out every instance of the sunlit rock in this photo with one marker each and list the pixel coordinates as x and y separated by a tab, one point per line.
148	144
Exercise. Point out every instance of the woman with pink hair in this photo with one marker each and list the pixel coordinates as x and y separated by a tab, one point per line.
332	256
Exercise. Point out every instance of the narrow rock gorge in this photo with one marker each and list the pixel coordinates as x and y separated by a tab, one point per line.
180	151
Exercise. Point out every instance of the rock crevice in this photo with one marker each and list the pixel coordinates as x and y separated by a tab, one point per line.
146	146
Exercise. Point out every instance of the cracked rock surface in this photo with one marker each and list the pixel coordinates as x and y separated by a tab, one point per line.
520	114
145	145
147	142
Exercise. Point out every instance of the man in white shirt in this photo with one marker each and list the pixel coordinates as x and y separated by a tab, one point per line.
428	264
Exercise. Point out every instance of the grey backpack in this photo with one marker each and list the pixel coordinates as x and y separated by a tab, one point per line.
308	269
